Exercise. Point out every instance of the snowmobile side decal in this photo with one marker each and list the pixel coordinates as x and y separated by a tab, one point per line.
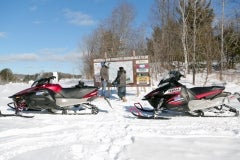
173	90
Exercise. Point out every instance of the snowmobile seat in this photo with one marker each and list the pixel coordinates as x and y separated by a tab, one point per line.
75	92
202	90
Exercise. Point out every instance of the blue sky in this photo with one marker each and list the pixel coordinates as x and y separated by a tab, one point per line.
45	35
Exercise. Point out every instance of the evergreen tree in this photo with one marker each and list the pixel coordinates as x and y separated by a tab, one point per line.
7	75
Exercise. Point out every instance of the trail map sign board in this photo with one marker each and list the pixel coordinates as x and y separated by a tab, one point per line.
137	69
142	72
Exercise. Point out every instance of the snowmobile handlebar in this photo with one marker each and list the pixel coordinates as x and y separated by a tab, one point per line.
52	77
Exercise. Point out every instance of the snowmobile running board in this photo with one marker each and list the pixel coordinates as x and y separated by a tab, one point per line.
14	115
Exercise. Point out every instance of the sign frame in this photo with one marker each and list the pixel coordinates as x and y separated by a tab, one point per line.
137	68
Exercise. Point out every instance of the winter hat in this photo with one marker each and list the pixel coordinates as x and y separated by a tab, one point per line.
103	63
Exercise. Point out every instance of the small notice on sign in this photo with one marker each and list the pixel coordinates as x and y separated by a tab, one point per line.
143	80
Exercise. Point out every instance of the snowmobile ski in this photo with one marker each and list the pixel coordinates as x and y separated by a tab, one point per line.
145	116
14	115
14	108
140	107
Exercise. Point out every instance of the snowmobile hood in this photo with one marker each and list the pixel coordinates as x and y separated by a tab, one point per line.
54	87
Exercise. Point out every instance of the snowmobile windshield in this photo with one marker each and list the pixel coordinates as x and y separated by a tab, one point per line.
171	76
164	80
39	82
42	81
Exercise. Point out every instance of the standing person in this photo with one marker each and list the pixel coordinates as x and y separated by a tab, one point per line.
104	78
120	81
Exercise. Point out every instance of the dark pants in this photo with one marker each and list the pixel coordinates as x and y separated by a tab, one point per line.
122	92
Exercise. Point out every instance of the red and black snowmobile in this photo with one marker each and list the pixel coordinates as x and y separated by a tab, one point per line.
171	95
44	95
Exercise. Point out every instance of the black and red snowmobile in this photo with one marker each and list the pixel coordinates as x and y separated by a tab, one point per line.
172	96
44	95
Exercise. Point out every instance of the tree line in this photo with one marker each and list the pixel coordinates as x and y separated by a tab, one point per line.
6	75
185	34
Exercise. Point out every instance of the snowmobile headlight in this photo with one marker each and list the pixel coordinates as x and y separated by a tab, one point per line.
40	93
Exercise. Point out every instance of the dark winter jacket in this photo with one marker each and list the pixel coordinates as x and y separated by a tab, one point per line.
121	78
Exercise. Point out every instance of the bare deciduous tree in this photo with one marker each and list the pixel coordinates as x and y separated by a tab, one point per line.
114	37
165	37
182	5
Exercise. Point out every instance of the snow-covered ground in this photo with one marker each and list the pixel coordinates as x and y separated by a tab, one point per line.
116	134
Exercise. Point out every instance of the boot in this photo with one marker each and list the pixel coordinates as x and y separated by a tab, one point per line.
124	99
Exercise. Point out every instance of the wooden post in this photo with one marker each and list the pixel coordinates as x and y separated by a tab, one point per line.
144	89
105	55
134	54
138	93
